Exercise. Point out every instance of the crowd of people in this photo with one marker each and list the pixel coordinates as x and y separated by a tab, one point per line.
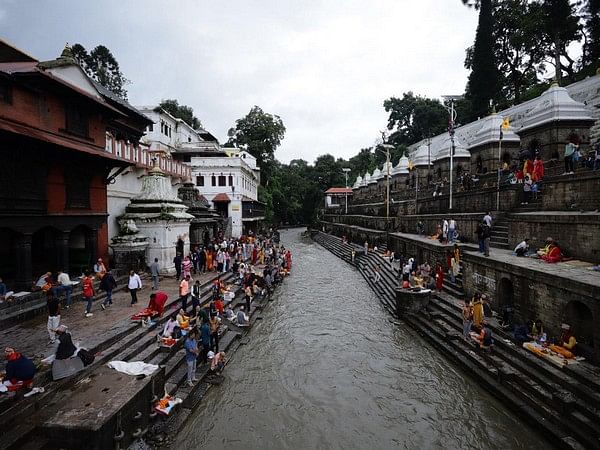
256	262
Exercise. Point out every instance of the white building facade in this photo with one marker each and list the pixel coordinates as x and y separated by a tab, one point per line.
227	177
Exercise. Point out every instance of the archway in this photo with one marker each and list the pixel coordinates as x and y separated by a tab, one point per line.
8	254
581	319
80	253
44	251
506	293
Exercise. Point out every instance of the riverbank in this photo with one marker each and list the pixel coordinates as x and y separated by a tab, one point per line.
98	407
561	404
326	369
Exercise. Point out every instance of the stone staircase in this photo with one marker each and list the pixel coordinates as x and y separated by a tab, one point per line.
499	234
21	417
562	404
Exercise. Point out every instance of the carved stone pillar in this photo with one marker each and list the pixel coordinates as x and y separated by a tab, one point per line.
24	276
62	250
91	245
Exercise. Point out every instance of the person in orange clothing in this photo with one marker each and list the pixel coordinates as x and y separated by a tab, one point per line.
528	168
538	169
553	254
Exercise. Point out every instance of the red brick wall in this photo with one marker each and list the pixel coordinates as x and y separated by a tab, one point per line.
56	190
46	111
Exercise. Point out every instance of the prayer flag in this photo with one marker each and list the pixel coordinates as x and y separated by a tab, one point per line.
506	123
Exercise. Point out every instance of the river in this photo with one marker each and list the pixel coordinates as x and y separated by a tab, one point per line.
325	368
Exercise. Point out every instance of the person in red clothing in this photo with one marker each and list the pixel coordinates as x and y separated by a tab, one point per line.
538	169
88	293
19	370
220	307
439	276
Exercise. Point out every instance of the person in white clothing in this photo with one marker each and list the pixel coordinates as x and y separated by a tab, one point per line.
488	219
134	284
451	230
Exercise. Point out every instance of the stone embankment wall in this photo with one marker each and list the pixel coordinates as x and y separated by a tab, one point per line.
552	293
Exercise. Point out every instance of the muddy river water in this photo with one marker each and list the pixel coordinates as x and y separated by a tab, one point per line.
325	368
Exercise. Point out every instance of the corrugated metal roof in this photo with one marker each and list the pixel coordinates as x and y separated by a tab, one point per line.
338	190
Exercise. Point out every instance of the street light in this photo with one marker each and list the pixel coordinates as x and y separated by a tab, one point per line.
387	148
346	170
452	111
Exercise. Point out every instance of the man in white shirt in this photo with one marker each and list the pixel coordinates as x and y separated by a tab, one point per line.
64	286
488	219
451	230
522	248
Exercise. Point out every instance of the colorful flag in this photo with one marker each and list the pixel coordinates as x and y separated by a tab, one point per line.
506	123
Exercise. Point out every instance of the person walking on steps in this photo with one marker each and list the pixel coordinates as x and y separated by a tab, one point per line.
88	293
191	355
53	315
134	285
154	271
108	284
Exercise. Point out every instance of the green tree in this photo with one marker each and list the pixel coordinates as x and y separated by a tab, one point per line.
560	25
259	133
102	66
591	46
183	112
483	84
519	56
413	118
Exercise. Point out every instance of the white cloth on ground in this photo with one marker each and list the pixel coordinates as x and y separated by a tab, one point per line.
133	367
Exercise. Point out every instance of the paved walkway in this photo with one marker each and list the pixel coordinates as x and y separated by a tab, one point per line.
31	337
573	270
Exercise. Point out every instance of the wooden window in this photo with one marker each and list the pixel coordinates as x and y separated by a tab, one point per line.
230	180
77	120
77	189
199	180
222	180
213	180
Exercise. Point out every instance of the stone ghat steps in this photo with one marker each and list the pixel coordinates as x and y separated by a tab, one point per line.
125	345
489	376
535	389
192	396
526	380
588	391
499	234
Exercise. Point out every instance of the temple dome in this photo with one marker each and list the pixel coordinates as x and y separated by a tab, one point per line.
555	105
443	150
376	175
489	131
402	167
358	182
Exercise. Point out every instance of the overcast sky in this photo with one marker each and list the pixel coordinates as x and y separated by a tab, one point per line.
324	66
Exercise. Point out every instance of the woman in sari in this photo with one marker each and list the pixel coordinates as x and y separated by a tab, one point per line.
209	261
439	277
478	314
538	169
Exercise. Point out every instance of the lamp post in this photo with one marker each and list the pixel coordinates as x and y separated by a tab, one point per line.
346	170
452	112
387	148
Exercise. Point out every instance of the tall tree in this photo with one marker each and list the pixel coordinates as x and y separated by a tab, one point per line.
518	54
102	66
483	80
183	112
591	47
413	118
561	27
259	133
